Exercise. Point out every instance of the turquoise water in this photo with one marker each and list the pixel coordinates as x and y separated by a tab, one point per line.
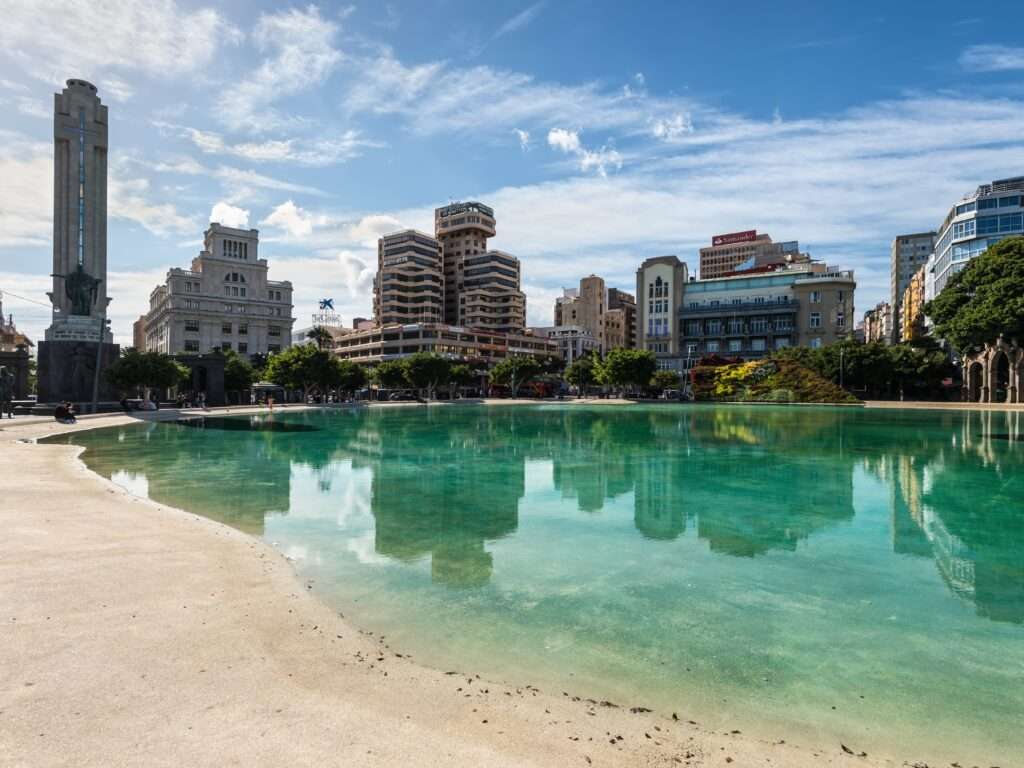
813	574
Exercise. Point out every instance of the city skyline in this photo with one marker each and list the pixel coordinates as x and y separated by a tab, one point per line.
327	127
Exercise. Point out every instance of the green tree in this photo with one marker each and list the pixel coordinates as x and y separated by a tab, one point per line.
626	368
258	361
238	372
135	370
350	377
461	375
320	335
984	300
581	373
427	371
302	367
389	374
662	380
513	372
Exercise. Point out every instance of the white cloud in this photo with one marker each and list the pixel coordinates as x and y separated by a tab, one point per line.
97	38
127	200
26	194
992	58
521	20
314	152
524	139
672	128
34	108
369	229
299	44
230	215
295	221
242	184
599	160
563	139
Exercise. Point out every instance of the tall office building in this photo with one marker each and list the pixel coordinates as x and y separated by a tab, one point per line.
409	286
225	301
584	307
745	250
907	255
481	286
993	212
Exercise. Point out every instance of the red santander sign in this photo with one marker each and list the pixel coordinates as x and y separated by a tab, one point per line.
735	237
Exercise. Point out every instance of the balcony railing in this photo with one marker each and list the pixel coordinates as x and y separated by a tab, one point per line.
746	308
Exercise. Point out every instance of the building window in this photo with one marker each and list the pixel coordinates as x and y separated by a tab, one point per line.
272	348
815	297
816	342
691	349
712	346
243	347
759	299
840	320
757	345
225	345
225	328
815	320
191	345
735	345
191	327
274	330
243	329
227	290
781	342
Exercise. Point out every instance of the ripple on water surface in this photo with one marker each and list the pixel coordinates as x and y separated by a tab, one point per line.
831	573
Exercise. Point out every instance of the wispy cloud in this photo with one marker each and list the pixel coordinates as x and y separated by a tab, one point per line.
102	38
992	58
298	45
520	21
313	152
599	160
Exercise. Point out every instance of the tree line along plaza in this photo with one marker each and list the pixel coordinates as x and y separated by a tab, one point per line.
450	294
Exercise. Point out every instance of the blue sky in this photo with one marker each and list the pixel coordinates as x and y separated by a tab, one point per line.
602	133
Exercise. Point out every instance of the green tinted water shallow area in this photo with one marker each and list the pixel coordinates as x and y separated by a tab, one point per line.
813	574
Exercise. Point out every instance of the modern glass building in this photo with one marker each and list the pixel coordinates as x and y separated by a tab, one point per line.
992	213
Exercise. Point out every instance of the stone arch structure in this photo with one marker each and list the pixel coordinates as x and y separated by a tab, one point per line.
995	374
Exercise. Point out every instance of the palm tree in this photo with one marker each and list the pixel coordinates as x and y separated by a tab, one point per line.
320	335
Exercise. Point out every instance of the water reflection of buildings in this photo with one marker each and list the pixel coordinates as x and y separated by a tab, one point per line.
956	499
237	478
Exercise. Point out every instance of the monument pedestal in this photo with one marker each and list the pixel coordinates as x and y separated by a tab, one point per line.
67	370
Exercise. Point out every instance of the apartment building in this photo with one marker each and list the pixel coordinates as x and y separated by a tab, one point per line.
659	292
748	315
907	255
224	301
993	212
621	310
481	287
745	250
573	341
476	347
878	323
409	285
911	314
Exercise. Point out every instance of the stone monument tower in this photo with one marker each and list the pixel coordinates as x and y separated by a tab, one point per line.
77	339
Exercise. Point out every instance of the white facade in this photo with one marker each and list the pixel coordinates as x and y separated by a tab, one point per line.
573	341
225	301
993	212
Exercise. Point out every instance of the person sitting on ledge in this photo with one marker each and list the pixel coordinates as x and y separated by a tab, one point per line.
65	413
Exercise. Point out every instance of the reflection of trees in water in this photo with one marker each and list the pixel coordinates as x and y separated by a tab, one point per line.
235	477
956	497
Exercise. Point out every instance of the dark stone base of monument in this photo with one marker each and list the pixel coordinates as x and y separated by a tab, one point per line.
17	364
207	377
67	370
